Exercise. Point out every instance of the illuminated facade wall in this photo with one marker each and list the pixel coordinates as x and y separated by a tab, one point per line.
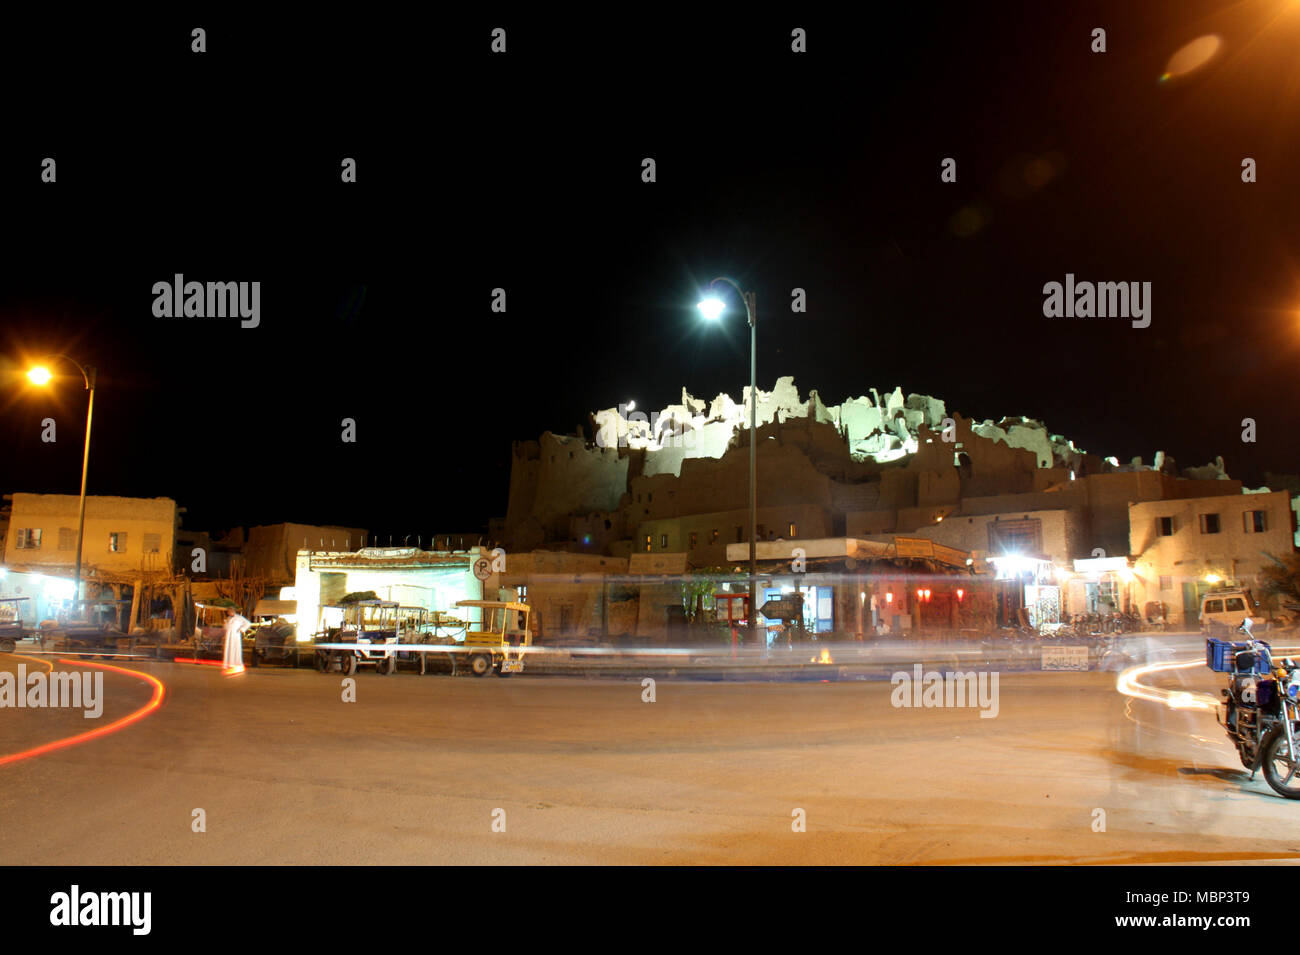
1182	546
124	536
695	535
48	595
1048	534
426	579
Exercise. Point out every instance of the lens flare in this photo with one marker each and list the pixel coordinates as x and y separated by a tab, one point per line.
1191	57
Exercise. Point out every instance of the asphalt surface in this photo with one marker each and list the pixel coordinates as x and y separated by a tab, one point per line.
584	771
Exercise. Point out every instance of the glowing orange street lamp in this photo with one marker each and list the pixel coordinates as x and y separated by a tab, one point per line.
40	375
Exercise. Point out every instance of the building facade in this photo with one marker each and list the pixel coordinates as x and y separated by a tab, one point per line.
1182	548
125	540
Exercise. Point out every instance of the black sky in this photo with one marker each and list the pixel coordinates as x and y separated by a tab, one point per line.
522	171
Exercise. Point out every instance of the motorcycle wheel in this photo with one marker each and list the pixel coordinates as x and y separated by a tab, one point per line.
1281	769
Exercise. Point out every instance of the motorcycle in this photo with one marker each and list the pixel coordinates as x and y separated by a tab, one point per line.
1261	710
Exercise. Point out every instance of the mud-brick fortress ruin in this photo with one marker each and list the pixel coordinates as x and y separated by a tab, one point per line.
677	480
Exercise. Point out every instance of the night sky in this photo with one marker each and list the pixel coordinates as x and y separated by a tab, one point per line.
523	171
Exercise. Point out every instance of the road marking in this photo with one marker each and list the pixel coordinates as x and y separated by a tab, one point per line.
155	701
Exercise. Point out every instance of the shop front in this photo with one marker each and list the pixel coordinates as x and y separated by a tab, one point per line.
1102	585
1028	591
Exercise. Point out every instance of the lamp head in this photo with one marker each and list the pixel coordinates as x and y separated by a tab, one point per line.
712	307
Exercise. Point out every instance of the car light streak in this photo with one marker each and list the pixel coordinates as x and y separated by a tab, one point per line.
1129	683
44	663
134	717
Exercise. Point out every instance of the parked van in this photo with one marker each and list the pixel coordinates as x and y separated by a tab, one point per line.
1229	608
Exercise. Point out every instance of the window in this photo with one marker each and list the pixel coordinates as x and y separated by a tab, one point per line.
117	542
1255	522
1209	523
29	538
1214	606
1166	583
1165	526
67	538
694	539
1016	537
794	530
1234	605
152	543
647	543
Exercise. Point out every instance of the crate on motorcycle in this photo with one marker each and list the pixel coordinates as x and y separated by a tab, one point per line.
1265	692
1220	655
1224	656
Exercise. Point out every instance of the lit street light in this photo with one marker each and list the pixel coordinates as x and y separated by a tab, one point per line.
40	375
712	308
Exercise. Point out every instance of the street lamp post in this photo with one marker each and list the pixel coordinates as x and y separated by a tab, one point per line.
712	308
41	376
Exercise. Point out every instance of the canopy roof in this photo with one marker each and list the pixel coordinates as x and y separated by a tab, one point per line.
493	604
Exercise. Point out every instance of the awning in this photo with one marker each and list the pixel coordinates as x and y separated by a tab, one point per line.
848	547
275	608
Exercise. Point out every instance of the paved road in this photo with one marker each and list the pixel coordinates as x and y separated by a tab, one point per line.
286	772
